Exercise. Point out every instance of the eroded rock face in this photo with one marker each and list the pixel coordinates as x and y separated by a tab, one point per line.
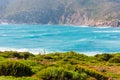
114	23
118	23
83	19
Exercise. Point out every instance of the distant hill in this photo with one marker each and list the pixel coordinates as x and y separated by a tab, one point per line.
72	12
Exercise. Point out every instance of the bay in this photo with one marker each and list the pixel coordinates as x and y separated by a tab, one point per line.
59	38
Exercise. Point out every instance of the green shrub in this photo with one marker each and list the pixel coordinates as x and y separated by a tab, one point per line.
74	55
92	73
2	58
115	60
30	62
14	68
103	57
53	73
15	54
16	78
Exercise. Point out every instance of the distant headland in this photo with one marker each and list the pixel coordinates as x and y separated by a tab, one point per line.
70	12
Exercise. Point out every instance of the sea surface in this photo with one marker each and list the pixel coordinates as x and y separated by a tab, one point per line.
54	38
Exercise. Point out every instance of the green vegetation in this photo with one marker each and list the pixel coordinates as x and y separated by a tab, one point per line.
54	73
104	57
14	68
58	66
14	78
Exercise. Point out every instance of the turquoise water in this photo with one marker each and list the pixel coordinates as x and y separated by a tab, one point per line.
52	38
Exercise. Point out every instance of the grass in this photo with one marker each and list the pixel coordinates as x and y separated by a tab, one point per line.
98	67
14	78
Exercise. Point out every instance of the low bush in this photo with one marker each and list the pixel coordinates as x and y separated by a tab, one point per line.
53	73
103	57
16	78
92	73
14	68
15	54
115	60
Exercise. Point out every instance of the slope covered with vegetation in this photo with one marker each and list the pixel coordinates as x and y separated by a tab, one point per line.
58	66
78	12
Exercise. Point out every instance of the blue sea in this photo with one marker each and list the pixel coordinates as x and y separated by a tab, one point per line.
59	38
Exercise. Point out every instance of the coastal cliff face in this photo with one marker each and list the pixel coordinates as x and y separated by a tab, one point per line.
71	12
78	19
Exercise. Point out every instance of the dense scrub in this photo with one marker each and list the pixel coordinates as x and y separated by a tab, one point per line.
58	66
14	78
54	73
14	68
14	54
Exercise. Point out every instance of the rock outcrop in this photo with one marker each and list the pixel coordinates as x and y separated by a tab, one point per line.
71	12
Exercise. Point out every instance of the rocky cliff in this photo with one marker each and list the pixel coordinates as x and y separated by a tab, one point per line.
72	12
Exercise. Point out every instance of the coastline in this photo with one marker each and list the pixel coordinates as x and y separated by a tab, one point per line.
70	25
65	25
43	51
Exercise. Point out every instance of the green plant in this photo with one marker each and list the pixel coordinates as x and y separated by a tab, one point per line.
103	57
92	73
15	54
14	68
114	60
53	73
16	78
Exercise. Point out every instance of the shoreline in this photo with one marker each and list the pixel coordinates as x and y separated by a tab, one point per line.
66	25
51	52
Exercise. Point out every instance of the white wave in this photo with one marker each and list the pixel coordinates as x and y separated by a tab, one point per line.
33	51
94	53
13	49
84	39
91	53
115	31
4	35
104	27
53	33
81	26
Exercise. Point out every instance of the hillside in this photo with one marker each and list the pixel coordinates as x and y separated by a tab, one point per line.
72	12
